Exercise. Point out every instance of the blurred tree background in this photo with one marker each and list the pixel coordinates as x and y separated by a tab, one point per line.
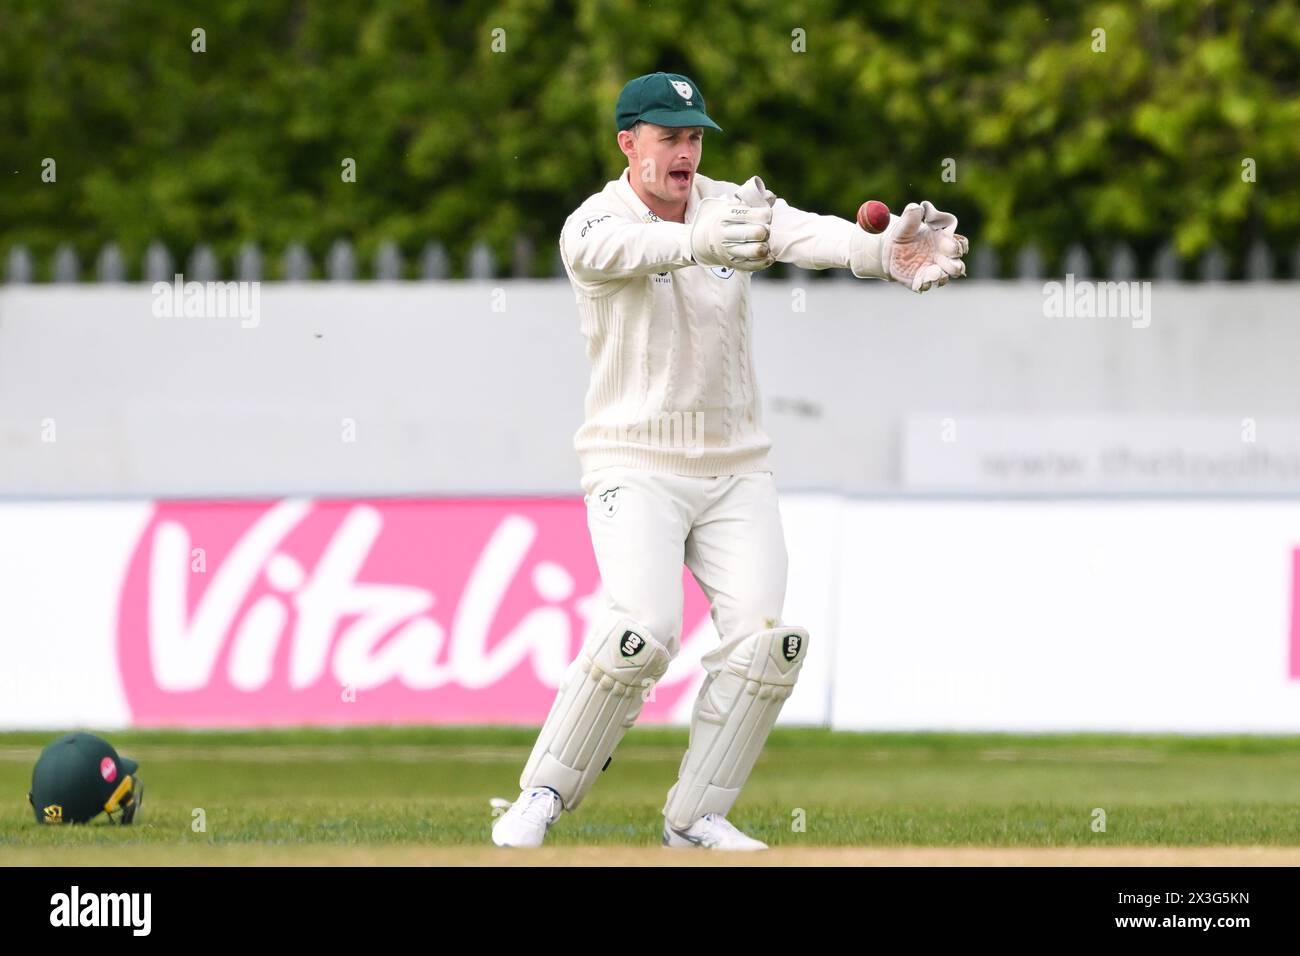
1052	141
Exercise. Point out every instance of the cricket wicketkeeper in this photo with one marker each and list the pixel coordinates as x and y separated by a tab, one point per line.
674	455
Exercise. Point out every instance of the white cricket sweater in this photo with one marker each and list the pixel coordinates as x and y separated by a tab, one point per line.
672	385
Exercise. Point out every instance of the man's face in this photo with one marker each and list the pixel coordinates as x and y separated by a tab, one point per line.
664	158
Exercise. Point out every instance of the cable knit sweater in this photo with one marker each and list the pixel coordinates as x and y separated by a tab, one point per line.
670	342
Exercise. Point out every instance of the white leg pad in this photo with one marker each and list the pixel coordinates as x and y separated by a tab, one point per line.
602	695
733	715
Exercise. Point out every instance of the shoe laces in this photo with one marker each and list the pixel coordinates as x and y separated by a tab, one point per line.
722	823
539	806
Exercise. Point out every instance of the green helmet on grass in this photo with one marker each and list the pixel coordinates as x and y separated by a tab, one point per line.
80	776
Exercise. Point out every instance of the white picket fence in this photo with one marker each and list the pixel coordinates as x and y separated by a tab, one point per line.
342	263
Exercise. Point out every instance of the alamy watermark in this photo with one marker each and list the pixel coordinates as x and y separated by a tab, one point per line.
205	300
667	430
1098	300
75	908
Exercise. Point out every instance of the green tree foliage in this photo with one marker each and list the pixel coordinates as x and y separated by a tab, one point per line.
832	102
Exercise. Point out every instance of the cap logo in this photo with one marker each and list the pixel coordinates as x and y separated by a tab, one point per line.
108	769
683	89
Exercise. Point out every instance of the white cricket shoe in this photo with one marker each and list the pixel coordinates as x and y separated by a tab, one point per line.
713	832
528	819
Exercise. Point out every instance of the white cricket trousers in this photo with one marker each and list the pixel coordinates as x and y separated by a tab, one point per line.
727	530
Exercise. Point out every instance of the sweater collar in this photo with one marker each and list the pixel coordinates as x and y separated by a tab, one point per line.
625	191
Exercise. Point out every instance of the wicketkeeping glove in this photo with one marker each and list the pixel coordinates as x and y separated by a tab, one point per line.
732	232
921	248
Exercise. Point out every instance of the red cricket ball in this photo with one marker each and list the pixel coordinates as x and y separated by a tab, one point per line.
873	216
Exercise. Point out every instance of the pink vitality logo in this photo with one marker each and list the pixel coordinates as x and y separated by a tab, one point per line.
302	612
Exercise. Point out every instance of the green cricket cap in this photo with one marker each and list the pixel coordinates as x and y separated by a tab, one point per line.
665	99
77	777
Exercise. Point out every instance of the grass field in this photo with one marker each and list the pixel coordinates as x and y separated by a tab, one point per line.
420	795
